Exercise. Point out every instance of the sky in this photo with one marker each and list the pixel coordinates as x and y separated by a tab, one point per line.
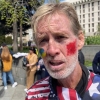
69	0
64	0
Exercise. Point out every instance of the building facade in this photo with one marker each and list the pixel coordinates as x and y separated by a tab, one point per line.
89	15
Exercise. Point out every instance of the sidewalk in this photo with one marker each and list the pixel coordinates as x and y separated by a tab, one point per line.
16	93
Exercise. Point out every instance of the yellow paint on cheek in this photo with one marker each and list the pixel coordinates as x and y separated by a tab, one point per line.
42	52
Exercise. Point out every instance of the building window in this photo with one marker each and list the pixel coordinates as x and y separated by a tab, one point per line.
92	24
80	16
83	10
88	4
89	25
75	8
98	14
92	29
92	8
83	20
92	4
89	30
80	10
88	9
80	21
98	7
83	5
98	18
92	19
92	14
80	6
98	2
88	15
83	25
89	20
83	16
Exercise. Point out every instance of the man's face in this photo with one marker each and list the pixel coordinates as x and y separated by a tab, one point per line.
55	36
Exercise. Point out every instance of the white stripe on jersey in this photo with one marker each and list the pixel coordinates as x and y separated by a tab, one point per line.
39	95
65	93
38	89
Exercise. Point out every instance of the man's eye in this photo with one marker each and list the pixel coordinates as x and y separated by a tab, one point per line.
43	41
61	37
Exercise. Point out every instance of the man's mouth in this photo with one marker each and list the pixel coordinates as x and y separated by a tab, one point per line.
56	65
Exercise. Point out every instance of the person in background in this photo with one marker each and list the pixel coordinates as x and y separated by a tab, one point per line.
57	31
41	70
7	66
29	43
11	52
31	67
96	63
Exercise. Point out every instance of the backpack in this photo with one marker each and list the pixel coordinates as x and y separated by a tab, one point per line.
1	65
25	61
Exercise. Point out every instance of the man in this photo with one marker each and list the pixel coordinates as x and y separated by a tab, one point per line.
59	34
96	63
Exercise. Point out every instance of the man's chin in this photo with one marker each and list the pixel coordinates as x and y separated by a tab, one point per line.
58	75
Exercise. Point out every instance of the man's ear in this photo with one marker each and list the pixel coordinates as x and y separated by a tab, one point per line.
81	40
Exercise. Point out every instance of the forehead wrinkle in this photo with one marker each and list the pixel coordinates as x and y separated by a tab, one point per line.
52	23
43	25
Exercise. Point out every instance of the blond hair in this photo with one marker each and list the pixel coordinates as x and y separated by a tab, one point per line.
49	9
5	55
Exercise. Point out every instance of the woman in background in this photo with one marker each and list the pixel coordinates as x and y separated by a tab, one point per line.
31	67
7	66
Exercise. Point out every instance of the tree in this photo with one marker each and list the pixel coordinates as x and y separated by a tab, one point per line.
17	13
14	12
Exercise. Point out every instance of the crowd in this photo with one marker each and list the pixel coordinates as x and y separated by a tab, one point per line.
34	67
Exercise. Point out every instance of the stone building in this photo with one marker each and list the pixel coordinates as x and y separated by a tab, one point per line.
89	15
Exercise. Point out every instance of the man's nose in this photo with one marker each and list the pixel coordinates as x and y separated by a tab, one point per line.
53	48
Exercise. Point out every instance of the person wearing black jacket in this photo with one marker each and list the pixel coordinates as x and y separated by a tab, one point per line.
96	63
41	70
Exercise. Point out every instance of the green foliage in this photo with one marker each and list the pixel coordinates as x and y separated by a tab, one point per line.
92	40
8	40
88	63
25	49
2	39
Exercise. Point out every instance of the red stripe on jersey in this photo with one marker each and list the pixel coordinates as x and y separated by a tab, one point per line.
72	94
90	80
40	85
59	93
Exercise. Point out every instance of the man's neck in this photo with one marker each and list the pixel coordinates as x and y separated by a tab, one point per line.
72	80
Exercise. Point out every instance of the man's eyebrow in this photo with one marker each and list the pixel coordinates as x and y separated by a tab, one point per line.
41	35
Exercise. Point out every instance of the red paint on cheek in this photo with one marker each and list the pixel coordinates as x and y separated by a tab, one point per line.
71	48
